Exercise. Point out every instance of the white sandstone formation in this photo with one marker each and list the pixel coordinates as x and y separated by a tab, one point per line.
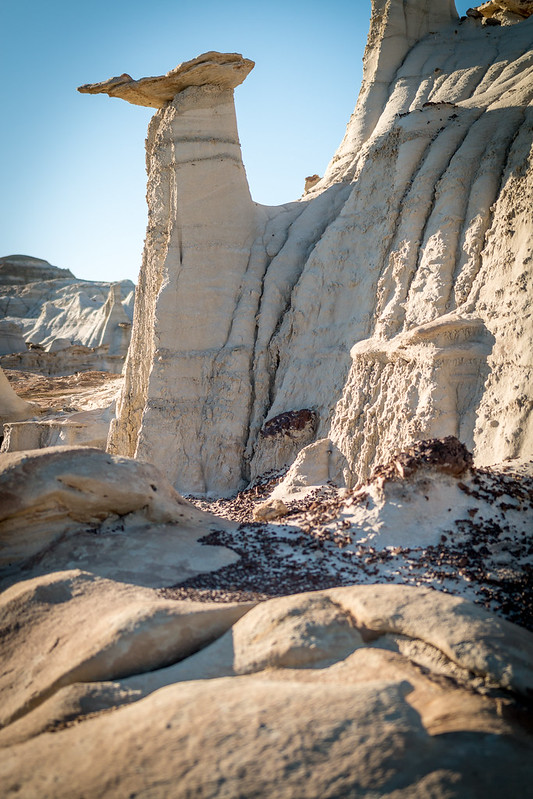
112	329
392	301
202	224
12	407
48	303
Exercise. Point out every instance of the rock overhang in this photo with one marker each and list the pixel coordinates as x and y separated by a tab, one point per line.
226	70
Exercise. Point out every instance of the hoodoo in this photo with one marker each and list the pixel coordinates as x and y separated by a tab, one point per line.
391	301
201	227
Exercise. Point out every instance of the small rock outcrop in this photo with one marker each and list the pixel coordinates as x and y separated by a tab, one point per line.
506	12
113	329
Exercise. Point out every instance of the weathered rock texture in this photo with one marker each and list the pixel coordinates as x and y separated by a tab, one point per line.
201	228
12	407
72	410
392	301
66	507
365	691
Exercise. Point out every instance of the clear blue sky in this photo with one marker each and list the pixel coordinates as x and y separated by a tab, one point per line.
72	165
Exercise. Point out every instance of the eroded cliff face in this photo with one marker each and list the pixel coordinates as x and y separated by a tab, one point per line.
391	301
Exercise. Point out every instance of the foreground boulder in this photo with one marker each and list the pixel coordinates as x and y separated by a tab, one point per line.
367	691
53	309
67	507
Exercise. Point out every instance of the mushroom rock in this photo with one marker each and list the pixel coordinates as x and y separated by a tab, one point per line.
506	10
201	228
391	301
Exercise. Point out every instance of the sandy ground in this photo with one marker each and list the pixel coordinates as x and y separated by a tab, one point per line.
486	557
81	391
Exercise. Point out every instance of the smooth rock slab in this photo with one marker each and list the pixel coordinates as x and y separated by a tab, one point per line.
77	507
73	627
251	737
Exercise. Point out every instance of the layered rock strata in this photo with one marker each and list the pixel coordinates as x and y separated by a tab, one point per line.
392	301
17	270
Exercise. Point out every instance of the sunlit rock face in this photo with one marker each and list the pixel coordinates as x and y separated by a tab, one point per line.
391	301
12	407
187	355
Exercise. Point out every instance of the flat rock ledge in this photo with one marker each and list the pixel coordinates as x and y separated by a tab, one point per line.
226	70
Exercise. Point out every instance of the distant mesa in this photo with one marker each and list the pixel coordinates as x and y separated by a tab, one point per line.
17	270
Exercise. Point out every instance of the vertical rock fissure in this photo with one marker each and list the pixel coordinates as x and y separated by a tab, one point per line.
429	213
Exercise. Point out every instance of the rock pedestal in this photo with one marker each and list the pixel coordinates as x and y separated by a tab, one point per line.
200	230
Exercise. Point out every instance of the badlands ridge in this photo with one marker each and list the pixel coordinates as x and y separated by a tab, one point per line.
342	603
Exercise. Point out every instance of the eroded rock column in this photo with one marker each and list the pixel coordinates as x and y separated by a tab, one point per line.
201	225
